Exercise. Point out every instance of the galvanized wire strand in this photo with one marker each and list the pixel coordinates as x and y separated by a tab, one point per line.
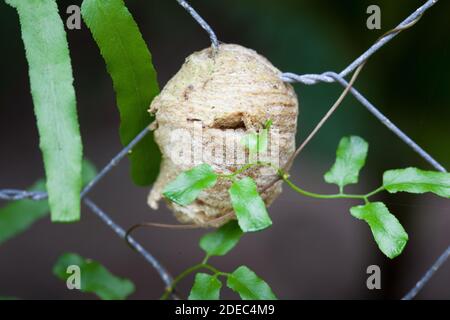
162	271
114	161
13	194
428	275
388	123
405	138
326	117
310	79
201	22
328	77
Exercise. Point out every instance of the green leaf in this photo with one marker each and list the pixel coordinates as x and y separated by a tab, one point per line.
249	286
249	207
206	287
53	94
188	185
414	180
89	172
95	278
268	124
263	137
129	64
386	229
257	143
350	158
263	141
221	241
18	216
250	141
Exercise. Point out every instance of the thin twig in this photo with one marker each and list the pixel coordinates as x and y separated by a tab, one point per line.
333	108
326	117
14	194
157	225
408	23
391	126
310	79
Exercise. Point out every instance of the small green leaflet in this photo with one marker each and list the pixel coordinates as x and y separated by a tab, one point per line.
257	143
263	140
250	141
95	278
386	229
53	94
249	286
89	172
249	207
221	241
268	124
350	158
18	216
414	180
129	64
206	287
188	185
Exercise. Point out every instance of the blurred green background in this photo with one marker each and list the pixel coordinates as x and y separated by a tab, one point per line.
315	250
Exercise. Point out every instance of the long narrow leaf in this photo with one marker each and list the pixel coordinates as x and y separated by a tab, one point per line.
53	94
129	64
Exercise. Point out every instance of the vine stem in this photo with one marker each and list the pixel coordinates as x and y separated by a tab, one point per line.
187	272
240	170
319	125
244	168
322	196
330	196
374	192
348	88
283	176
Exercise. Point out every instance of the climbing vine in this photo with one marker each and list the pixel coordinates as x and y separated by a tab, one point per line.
251	213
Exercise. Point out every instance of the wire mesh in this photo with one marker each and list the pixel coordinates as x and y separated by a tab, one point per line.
307	79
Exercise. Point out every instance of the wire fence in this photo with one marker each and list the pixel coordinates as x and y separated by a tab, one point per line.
307	79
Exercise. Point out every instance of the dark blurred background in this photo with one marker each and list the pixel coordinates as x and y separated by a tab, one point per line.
315	249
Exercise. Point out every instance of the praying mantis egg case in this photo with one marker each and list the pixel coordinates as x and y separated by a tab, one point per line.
201	116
